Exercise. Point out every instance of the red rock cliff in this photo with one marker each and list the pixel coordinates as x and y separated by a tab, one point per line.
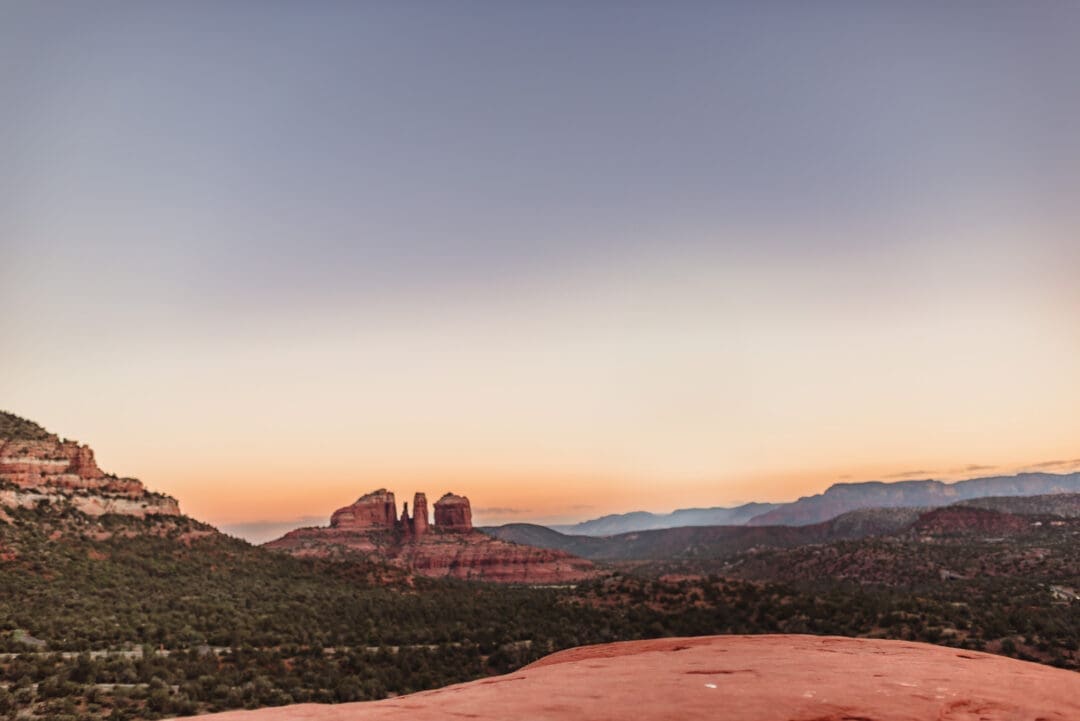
453	513
449	548
374	510
36	466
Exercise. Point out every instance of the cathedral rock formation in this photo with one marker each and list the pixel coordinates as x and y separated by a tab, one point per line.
449	547
377	511
37	466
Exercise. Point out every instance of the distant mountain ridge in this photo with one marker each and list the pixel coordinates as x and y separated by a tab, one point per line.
843	497
836	500
645	521
708	541
449	548
1003	513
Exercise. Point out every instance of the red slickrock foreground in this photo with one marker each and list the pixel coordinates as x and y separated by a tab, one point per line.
736	678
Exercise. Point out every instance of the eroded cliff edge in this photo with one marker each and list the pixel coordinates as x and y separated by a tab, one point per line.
37	466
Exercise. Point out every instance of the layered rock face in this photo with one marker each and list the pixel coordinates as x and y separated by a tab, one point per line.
453	513
737	678
37	466
371	511
448	548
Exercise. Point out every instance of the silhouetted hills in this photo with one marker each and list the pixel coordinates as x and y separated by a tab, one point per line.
645	521
705	541
992	516
836	500
844	497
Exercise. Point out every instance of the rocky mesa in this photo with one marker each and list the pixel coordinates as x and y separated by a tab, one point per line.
37	466
449	547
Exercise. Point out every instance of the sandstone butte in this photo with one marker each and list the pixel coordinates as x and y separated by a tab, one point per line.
449	547
736	678
38	466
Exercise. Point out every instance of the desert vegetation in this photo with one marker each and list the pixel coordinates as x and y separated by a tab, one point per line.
16	428
120	617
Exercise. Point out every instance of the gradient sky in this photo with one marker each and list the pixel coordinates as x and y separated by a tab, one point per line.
564	258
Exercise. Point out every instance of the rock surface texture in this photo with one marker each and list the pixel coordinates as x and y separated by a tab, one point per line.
737	678
373	510
420	515
448	548
37	466
453	513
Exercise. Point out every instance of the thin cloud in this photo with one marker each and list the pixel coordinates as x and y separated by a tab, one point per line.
908	474
1055	464
262	531
497	511
298	521
974	467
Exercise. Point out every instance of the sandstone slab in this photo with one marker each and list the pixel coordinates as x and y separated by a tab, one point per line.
737	678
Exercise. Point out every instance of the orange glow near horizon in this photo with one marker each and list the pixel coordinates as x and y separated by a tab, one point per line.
563	260
693	384
227	498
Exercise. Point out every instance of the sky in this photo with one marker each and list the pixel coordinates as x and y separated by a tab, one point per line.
567	259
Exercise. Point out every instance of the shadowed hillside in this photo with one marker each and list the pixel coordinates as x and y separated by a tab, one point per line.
1063	505
707	541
